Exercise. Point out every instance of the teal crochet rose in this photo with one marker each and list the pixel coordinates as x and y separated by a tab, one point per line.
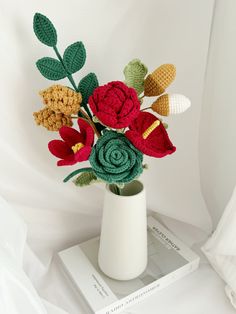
115	160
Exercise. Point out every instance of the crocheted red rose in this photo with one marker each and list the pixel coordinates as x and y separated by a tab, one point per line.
115	104
148	134
75	147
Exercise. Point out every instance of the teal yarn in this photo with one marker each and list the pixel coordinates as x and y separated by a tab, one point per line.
86	86
51	68
44	30
74	57
114	159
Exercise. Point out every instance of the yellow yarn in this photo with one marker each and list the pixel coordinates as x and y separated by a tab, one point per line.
51	120
150	129
77	147
61	99
156	82
162	105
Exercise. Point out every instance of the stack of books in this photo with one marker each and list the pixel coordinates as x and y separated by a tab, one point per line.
168	261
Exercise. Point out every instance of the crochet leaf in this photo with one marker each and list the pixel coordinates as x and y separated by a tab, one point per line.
74	57
85	178
135	72
87	86
44	30
51	68
74	173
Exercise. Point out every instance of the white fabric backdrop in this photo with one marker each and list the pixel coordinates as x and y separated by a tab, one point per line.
217	127
114	33
59	215
221	248
217	142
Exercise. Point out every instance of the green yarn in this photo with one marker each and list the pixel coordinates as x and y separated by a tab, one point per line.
87	86
51	68
74	173
135	72
85	178
115	160
74	57
44	30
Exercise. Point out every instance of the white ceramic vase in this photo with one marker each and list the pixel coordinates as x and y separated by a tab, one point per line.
123	242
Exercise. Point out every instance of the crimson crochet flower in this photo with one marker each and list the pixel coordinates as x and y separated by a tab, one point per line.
75	147
148	134
115	104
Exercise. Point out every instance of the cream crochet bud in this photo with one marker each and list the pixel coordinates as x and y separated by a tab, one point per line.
171	104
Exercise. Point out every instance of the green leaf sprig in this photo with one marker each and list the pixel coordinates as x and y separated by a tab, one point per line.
72	61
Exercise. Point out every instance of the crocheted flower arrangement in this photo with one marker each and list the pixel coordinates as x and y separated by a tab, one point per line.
125	131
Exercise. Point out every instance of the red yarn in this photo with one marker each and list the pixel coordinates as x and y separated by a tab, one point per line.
63	149
157	144
115	104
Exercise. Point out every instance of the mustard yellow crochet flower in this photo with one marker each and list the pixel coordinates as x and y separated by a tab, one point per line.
51	120
62	99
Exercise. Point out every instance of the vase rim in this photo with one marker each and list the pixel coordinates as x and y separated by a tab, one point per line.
141	191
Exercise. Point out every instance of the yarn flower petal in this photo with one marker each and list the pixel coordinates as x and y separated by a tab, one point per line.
86	132
59	148
75	147
115	104
70	136
115	160
148	134
72	159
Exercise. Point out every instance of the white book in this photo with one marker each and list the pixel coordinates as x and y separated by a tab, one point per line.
168	261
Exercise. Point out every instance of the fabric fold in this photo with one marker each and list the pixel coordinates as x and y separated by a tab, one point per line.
220	249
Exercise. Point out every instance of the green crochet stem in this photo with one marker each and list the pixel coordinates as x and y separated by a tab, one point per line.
115	189
87	110
70	77
74	173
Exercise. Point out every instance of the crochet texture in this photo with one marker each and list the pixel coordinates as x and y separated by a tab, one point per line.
149	136
51	120
156	82
61	99
114	159
134	72
75	146
115	104
161	105
44	30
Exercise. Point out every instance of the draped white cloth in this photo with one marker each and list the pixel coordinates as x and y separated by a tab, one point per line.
58	215
113	33
217	135
217	128
221	248
17	294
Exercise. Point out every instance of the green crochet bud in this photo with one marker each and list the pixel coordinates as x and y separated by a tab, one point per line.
115	160
135	72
